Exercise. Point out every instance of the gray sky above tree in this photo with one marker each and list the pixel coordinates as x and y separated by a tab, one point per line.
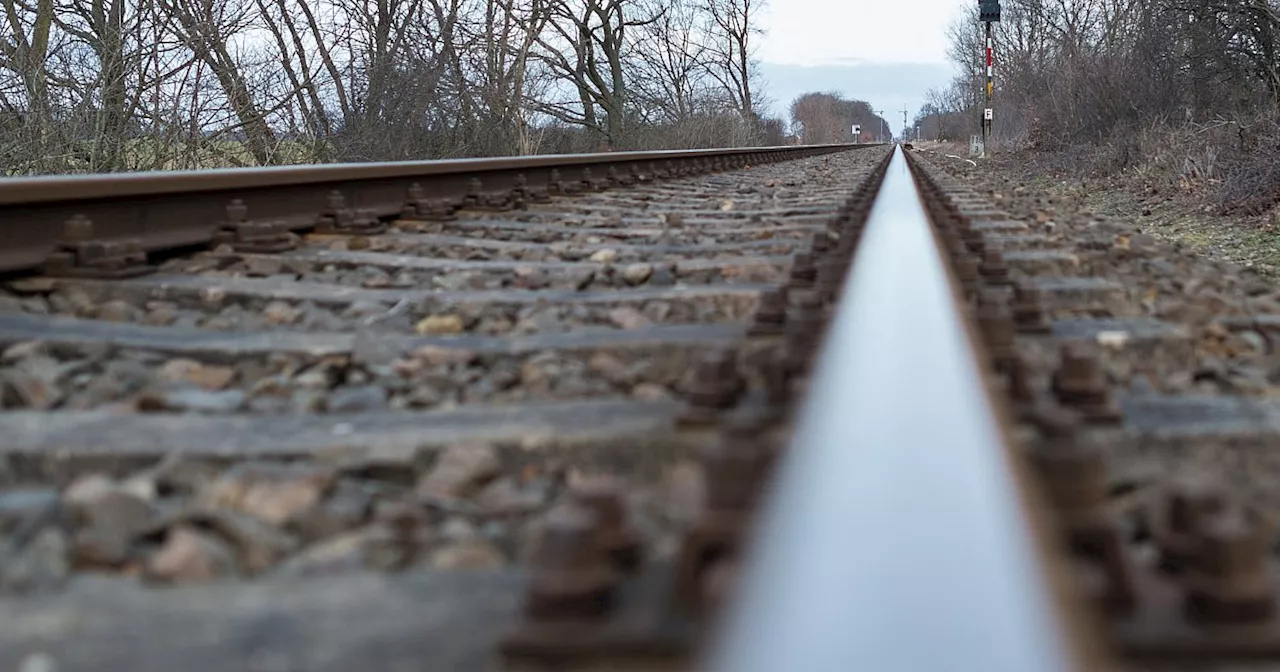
887	52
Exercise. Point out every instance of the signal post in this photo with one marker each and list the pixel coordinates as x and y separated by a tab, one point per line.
988	13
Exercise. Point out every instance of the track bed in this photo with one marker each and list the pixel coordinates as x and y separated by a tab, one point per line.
221	451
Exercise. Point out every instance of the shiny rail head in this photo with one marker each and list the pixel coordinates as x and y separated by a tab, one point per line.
895	536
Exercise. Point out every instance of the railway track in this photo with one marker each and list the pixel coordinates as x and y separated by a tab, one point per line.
795	408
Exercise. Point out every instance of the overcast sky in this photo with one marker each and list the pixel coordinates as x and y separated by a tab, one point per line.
886	52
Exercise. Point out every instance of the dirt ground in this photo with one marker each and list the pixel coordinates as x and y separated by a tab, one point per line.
1183	212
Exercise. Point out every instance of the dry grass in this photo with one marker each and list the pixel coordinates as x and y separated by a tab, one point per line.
1211	186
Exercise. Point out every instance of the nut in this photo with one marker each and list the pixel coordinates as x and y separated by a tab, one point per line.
967	272
1074	475
716	380
714	385
605	498
803	272
570	577
1230	582
993	268
737	466
1081	383
1021	393
1028	310
998	332
771	311
1188	504
777	379
805	324
819	244
831	272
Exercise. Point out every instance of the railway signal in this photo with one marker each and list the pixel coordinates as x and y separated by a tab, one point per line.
988	13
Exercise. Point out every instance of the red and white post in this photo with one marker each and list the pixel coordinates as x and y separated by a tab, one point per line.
986	110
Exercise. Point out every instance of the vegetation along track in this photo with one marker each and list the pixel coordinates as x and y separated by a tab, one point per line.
528	423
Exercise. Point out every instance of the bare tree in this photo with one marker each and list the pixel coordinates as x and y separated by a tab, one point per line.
588	48
25	53
208	29
822	118
671	61
107	85
733	62
511	31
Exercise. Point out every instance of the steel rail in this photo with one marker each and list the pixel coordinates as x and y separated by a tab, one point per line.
897	535
63	188
163	210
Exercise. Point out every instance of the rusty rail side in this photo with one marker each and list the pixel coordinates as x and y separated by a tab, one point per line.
105	225
897	534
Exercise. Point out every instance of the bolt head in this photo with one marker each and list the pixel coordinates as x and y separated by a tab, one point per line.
1188	503
805	299
1232	544
606	498
1075	476
1230	580
77	228
236	211
715	382
773	302
571	577
996	323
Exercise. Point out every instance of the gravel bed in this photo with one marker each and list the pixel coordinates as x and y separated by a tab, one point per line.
660	232
469	506
184	521
427	317
1210	300
594	253
38	377
582	275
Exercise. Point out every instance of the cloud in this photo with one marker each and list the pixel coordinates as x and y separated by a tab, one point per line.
813	32
887	86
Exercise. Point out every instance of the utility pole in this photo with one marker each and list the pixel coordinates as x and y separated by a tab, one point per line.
988	13
884	126
904	123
